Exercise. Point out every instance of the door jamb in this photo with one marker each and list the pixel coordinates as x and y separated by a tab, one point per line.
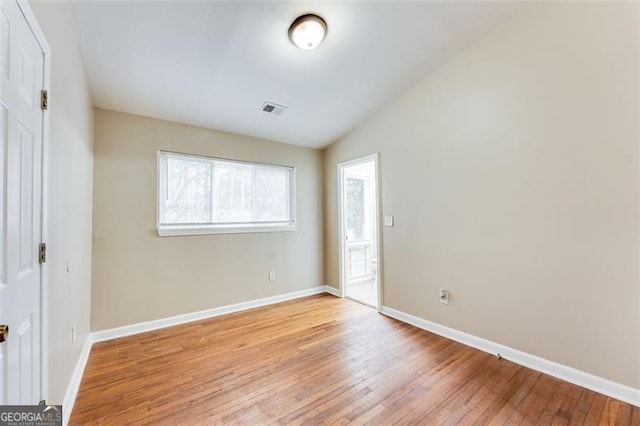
375	157
30	18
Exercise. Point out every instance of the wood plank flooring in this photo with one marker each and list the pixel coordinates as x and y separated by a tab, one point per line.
321	360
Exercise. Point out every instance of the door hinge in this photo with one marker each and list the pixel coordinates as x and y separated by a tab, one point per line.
44	100
42	253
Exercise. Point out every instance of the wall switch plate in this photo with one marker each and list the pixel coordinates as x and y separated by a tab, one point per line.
388	221
444	296
272	275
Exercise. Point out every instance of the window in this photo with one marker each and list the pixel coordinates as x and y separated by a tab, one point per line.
203	195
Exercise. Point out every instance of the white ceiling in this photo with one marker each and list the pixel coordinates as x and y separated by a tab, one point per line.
214	64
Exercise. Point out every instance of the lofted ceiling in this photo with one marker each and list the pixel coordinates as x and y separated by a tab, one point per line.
213	64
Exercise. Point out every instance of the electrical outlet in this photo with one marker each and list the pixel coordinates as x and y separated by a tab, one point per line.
444	296
73	333
272	275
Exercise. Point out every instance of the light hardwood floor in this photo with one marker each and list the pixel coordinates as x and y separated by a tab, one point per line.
320	360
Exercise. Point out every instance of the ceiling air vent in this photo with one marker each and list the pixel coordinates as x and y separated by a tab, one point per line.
271	108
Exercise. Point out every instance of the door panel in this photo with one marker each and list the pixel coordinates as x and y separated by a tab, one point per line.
3	374
27	79
25	337
5	42
27	190
4	115
21	78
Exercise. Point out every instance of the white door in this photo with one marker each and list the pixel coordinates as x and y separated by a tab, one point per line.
21	80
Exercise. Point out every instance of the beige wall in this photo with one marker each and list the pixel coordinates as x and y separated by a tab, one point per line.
69	195
512	172
138	276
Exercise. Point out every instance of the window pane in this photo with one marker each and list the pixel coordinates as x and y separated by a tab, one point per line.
188	198
233	194
272	200
355	209
210	191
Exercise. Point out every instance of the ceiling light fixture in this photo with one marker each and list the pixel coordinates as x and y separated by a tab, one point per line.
307	31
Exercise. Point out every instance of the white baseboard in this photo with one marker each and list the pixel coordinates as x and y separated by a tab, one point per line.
598	384
74	383
142	327
332	290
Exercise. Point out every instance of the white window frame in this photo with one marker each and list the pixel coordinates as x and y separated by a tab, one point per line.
165	230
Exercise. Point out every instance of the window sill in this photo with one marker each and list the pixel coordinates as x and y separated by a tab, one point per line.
177	230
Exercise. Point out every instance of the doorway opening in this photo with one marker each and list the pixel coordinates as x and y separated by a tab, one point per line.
359	230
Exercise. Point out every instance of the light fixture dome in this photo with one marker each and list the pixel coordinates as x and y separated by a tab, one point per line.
307	31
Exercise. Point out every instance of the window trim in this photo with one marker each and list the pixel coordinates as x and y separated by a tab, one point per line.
165	230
